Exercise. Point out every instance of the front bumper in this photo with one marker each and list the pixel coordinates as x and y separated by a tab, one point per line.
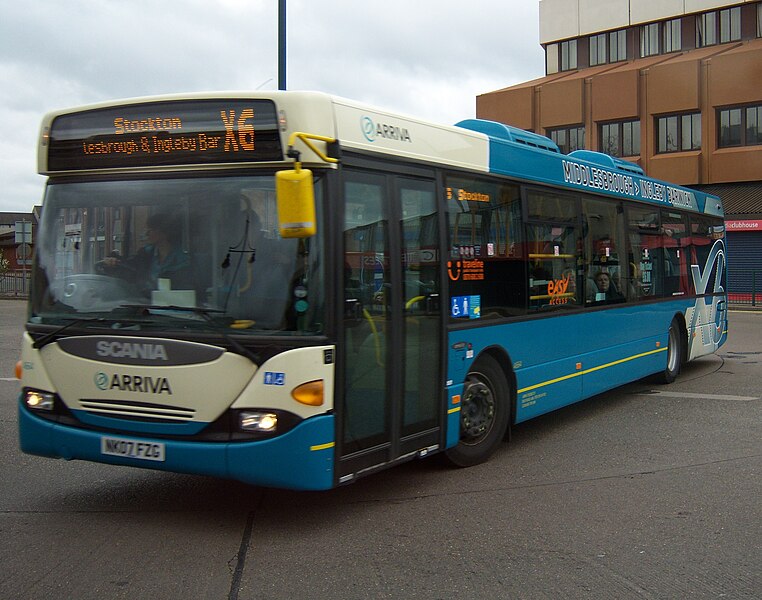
300	459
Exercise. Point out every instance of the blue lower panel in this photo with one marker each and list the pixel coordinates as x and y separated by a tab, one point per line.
547	387
453	415
301	459
610	368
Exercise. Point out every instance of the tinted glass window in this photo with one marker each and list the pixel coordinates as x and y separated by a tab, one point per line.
554	251
485	262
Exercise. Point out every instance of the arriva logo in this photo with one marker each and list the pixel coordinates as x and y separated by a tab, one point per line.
368	129
372	130
101	380
132	383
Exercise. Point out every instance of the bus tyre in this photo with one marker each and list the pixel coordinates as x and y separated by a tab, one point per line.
484	414
674	354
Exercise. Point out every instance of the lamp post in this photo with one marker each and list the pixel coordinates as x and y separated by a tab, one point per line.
281	44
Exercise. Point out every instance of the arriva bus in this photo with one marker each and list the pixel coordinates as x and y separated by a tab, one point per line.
295	290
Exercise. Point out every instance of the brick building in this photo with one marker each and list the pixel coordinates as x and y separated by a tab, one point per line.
672	85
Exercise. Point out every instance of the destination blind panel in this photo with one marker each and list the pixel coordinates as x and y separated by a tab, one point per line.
166	133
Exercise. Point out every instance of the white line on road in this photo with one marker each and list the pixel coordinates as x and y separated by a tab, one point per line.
703	396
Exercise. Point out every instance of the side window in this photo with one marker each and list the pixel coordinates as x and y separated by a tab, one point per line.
707	265
644	248
554	251
674	254
606	278
485	265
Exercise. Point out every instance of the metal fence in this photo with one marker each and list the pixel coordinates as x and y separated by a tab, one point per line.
15	284
745	287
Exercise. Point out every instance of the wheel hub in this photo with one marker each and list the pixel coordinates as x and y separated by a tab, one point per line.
477	412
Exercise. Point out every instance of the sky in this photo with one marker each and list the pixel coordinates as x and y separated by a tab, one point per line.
427	58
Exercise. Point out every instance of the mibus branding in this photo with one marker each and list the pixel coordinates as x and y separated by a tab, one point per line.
372	131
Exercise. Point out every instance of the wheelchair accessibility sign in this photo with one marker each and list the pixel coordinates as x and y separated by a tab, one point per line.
465	307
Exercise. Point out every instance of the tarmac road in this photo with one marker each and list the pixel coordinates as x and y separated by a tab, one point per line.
645	492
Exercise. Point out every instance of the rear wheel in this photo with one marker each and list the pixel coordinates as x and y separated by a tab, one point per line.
485	414
674	354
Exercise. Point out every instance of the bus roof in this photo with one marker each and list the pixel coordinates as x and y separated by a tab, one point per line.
473	144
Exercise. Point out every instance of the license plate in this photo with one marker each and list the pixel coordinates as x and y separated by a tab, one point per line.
140	449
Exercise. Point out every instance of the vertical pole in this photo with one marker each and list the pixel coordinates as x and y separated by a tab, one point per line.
753	288
281	44
23	255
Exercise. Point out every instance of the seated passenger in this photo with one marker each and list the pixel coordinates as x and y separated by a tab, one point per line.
605	289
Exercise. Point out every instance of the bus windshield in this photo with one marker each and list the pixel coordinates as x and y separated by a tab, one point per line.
175	253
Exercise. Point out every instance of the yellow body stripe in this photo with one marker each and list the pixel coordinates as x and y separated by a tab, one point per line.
453	410
322	446
598	368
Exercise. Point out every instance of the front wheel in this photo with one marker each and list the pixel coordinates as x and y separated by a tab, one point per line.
485	414
674	354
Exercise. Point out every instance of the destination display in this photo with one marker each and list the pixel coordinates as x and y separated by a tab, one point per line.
192	132
598	178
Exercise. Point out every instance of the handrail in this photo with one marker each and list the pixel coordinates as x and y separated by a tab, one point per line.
306	137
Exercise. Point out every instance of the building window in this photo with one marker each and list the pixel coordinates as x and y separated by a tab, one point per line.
706	29
720	26
608	47
621	138
730	24
618	45
568	139
568	55
551	59
753	125
741	126
678	133
649	39
671	34
598	49
730	127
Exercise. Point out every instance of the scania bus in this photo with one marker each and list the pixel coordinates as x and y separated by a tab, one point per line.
294	290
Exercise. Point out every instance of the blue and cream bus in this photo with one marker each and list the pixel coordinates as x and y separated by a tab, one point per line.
294	290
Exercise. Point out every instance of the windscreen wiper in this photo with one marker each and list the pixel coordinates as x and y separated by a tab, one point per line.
206	314
48	337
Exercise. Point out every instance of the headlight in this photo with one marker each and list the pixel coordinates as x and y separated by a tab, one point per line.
262	422
37	400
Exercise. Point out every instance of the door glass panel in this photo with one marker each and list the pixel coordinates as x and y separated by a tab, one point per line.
366	315
419	233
